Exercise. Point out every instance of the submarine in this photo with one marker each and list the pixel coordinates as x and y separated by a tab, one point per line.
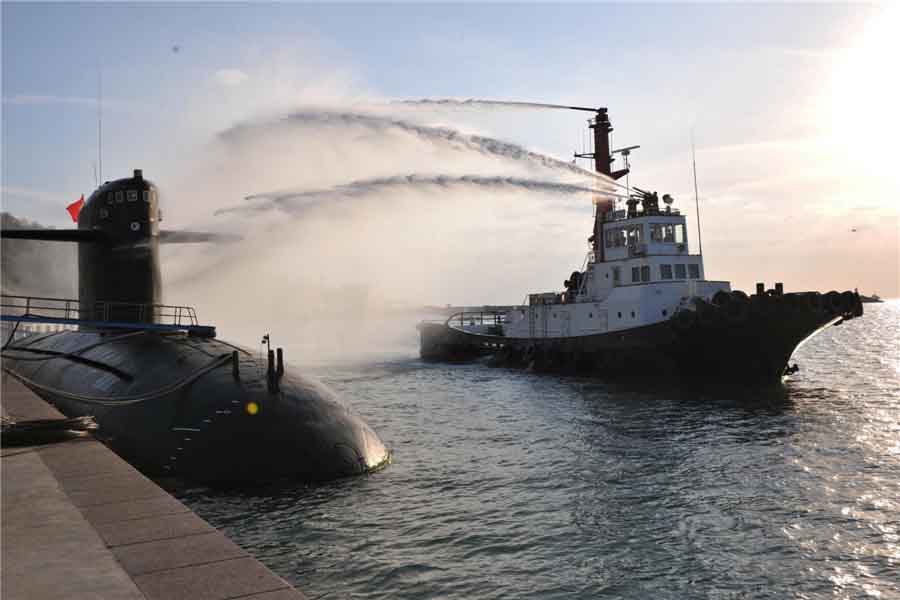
167	395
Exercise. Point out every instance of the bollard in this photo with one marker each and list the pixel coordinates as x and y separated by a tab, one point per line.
760	289
279	368
270	373
779	289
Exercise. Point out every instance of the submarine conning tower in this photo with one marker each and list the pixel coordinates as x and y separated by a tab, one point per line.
120	270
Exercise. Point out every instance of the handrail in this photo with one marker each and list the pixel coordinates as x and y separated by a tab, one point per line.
69	308
495	318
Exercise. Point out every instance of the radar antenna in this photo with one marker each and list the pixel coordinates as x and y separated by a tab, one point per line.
626	152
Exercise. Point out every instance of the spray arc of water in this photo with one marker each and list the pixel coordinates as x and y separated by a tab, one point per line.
445	135
296	201
482	103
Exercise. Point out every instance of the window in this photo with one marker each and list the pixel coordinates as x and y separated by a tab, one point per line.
679	233
147	196
617	276
634	235
663	232
615	237
645	273
119	197
665	271
632	314
635	274
590	315
132	195
109	198
620	315
694	270
680	272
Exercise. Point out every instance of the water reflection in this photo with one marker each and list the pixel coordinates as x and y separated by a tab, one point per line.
511	484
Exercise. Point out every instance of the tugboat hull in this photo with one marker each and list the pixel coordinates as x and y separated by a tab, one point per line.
749	343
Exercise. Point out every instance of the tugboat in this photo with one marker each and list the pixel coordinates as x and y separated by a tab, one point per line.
642	305
167	395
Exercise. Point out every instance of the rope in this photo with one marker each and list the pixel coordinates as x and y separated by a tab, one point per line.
44	431
80	350
75	355
12	334
115	402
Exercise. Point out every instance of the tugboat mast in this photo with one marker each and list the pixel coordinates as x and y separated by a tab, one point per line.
603	160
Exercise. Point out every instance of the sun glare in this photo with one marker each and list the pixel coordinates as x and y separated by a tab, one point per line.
863	100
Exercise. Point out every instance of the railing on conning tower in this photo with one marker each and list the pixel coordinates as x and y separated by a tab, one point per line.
102	314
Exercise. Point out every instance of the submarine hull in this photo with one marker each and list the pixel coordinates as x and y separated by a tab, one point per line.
179	405
750	346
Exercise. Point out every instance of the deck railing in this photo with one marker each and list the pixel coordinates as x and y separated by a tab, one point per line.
476	318
68	309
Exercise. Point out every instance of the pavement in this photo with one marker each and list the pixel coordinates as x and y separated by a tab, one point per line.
78	522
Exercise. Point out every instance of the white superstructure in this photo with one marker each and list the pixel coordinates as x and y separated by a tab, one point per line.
640	272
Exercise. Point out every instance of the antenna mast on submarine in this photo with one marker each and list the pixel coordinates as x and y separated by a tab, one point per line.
100	123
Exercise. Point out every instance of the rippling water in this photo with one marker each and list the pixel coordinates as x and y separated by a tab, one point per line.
512	484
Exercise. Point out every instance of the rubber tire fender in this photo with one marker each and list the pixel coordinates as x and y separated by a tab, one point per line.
721	298
737	311
849	300
684	320
815	301
834	304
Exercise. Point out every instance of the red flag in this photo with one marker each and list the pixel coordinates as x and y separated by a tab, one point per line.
75	208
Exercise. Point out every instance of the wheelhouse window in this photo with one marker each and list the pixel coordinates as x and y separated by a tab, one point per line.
635	274
615	238
645	273
680	272
132	195
668	233
665	271
635	236
694	270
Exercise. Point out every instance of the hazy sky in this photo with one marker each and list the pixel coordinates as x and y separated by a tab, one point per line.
793	108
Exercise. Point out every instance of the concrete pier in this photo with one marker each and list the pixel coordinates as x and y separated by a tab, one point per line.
78	522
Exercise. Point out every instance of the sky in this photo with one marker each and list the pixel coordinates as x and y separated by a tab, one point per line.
792	109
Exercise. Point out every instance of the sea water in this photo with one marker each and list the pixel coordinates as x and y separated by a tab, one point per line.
510	484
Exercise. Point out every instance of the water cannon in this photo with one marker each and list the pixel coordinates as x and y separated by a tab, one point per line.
601	155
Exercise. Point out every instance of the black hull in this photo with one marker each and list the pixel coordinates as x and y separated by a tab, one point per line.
172	405
749	345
